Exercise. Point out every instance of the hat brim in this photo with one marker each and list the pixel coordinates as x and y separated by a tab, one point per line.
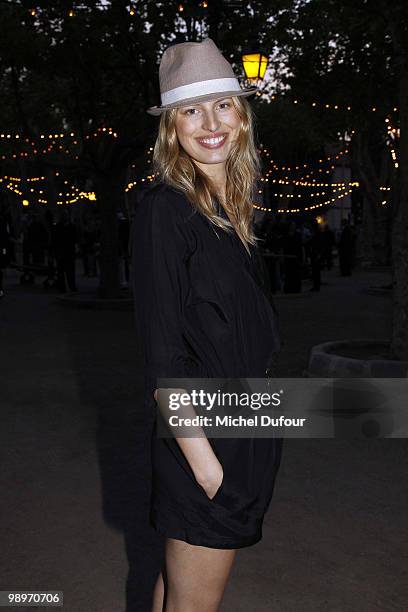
158	110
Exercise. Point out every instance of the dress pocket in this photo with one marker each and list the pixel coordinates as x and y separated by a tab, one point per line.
219	490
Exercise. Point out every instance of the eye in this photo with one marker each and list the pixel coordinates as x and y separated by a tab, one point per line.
187	111
225	104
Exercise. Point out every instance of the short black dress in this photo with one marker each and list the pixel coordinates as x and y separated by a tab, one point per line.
201	311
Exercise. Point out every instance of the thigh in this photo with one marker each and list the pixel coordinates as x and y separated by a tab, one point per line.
196	576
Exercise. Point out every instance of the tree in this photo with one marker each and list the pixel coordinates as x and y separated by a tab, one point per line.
355	53
91	67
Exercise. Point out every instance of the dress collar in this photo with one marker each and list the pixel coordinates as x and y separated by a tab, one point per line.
221	212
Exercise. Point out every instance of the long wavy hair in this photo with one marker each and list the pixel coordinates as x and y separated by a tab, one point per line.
175	167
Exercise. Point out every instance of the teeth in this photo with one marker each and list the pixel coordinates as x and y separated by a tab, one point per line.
212	141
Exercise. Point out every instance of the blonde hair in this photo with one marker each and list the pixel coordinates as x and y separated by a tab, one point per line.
176	168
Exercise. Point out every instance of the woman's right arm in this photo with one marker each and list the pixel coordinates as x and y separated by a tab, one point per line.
160	283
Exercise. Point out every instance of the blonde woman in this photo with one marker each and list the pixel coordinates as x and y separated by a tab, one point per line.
202	312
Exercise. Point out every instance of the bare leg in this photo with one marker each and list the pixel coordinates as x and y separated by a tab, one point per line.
196	576
158	595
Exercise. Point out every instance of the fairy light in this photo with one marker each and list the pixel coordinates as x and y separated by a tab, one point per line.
55	135
285	168
52	144
392	134
313	183
324	105
73	194
328	202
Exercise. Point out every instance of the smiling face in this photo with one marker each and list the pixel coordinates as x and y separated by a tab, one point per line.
207	132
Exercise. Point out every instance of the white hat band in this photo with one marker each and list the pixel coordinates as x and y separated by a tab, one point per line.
200	88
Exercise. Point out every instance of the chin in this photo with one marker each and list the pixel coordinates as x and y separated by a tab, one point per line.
212	157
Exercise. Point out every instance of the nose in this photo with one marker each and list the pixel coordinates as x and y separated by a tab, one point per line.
210	121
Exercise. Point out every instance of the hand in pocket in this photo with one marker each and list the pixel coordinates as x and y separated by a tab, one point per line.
215	485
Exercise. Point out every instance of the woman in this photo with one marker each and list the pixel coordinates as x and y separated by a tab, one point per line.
202	312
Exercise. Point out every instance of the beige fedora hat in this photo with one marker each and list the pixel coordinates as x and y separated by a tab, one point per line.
193	72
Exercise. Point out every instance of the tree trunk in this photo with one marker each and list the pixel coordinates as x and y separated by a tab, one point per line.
108	194
213	20
399	344
375	226
369	230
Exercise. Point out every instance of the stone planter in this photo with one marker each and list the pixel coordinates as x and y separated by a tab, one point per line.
381	290
359	408
354	359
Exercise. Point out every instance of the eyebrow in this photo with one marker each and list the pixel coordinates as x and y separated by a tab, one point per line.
200	104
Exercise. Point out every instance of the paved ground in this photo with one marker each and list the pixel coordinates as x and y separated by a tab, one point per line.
74	468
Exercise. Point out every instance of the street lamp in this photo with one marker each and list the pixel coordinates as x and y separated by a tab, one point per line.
255	65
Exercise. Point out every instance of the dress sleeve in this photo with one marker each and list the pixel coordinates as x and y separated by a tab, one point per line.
159	251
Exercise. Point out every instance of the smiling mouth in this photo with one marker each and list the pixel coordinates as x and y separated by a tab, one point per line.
213	143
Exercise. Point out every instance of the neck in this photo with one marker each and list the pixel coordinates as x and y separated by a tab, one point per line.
221	188
216	173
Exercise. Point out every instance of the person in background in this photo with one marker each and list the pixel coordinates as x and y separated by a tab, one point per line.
123	237
88	246
316	247
37	239
293	252
328	240
64	240
346	248
49	224
5	243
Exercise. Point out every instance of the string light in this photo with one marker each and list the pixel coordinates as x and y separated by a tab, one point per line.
299	183
74	194
148	179
330	201
324	105
52	144
54	135
264	151
392	135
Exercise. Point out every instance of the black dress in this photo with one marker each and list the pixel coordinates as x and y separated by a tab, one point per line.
201	312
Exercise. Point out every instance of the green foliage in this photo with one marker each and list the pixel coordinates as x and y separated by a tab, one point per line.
100	67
